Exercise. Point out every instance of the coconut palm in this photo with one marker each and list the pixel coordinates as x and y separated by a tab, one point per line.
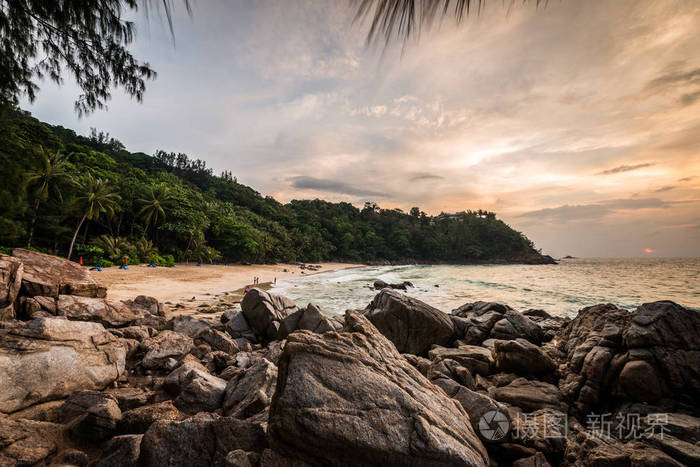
115	247
97	197
157	199
45	180
145	249
202	252
402	19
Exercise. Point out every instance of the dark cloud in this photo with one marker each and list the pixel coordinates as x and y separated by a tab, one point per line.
331	186
664	188
624	168
595	210
690	98
677	75
685	179
418	177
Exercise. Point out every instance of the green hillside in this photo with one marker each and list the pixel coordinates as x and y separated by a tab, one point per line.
150	207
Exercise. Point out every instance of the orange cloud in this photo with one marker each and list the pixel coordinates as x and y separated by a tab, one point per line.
649	250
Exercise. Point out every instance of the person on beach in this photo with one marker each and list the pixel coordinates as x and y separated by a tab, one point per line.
247	289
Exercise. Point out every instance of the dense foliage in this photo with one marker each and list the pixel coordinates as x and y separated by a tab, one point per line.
60	186
88	39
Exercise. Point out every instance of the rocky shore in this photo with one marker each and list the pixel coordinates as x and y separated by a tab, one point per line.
85	380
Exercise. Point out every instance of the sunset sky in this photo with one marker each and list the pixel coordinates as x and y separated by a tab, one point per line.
578	123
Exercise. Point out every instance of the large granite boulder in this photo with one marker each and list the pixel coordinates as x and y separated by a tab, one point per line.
50	276
411	325
50	358
461	388
92	416
200	392
351	398
265	311
614	355
200	441
522	357
148	304
478	360
173	383
138	420
120	451
109	313
590	449
196	389
11	273
25	442
250	392
237	327
188	325
166	345
478	321
310	318
530	395
216	340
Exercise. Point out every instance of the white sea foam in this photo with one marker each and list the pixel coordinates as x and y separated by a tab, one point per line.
560	289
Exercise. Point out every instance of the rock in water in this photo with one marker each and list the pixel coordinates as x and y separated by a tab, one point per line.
350	398
50	358
50	276
413	326
264	312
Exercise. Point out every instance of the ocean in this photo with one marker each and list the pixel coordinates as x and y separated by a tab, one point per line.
560	289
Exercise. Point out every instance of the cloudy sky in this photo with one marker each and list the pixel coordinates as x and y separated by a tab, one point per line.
578	123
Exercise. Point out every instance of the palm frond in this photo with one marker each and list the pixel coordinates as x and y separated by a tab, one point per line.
403	19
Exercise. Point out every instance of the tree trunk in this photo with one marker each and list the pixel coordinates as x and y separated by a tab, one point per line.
75	235
85	233
31	229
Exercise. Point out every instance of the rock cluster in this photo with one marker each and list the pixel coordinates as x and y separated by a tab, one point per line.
88	381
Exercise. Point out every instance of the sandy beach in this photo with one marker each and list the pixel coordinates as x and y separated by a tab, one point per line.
188	288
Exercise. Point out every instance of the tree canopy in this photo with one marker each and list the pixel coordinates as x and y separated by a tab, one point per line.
117	203
87	39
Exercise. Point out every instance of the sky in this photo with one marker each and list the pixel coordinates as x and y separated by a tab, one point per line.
578	123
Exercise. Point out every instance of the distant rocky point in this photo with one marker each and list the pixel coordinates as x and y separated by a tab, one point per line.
85	380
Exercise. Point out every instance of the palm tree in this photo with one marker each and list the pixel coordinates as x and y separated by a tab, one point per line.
202	252
145	249
97	197
402	19
157	199
115	247
45	180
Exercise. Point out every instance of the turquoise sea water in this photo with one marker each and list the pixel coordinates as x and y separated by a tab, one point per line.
560	289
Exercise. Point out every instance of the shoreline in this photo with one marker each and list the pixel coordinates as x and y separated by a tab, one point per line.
196	290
